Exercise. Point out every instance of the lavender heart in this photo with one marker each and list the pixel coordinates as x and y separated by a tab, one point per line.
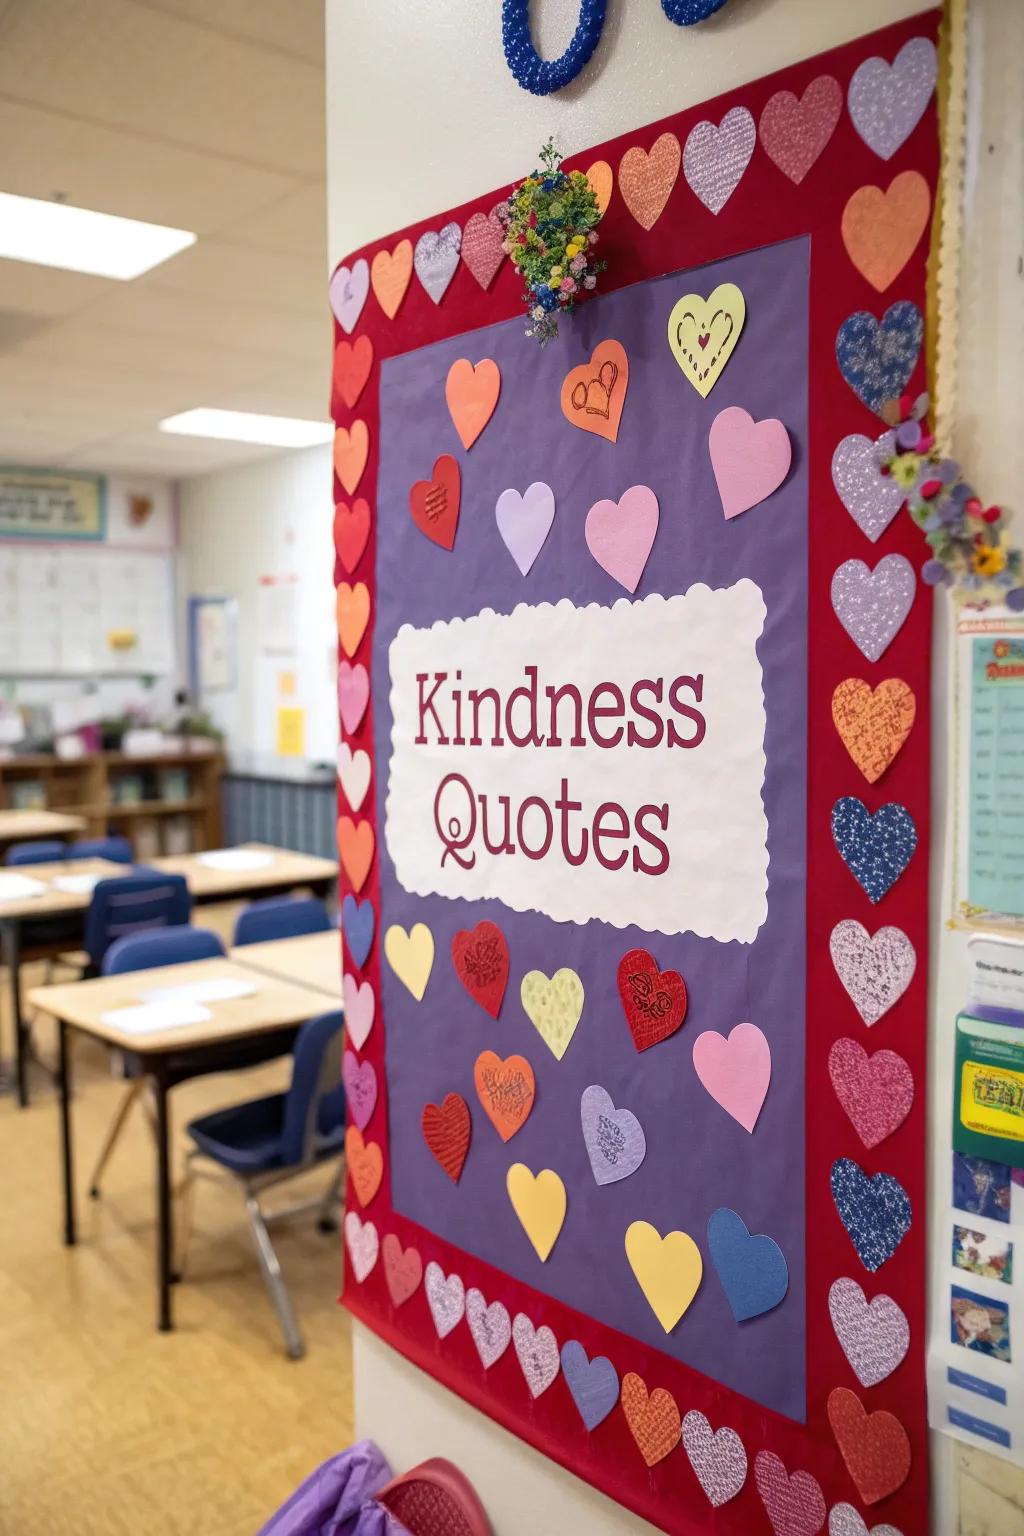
446	1298
887	101
362	1243
717	1456
871	498
875	1336
347	292
594	1384
489	1325
871	605
360	1088
845	1521
715	158
614	1138
436	257
537	1352
875	969
524	522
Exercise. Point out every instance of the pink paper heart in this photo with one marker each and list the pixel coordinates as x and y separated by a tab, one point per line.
483	245
750	458
794	131
360	1006
353	694
736	1072
360	1088
347	292
876	1091
794	1501
620	534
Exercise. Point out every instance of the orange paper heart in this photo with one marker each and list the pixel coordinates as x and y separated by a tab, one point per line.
653	1420
352	363
365	1164
874	723
471	391
355	849
881	229
390	272
506	1090
594	393
353	605
351	449
645	180
602	180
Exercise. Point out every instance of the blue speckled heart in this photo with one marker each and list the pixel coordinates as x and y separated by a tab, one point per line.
357	921
875	1212
875	849
877	358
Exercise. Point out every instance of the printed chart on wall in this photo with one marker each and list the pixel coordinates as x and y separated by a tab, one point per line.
633	816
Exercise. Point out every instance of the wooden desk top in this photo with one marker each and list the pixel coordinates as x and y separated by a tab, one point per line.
20	826
314	959
274	1005
210	884
53	900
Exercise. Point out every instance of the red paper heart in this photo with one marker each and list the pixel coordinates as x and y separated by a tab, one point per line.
876	1091
434	503
446	1131
352	363
793	132
483	245
655	1001
351	531
402	1271
794	1501
480	958
873	1445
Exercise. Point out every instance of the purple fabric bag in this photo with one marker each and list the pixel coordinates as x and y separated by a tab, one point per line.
337	1498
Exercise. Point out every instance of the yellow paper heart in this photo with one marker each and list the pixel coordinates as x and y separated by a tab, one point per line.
703	332
411	956
668	1268
553	1006
539	1202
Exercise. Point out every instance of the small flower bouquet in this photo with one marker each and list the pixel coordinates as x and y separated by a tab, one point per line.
550	233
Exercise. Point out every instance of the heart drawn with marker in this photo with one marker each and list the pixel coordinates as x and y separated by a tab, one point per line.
352	363
403	1269
351	531
654	1001
365	1164
703	333
446	1130
653	1418
481	961
506	1089
434	503
614	1138
594	393
873	1445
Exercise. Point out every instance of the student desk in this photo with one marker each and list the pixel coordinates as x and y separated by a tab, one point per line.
25	826
314	959
268	1016
283	872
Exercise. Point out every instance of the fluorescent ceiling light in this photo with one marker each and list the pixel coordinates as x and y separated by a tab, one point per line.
248	427
79	240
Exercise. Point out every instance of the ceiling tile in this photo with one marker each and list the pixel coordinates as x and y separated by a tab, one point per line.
298	222
30	290
161	453
241	274
295	26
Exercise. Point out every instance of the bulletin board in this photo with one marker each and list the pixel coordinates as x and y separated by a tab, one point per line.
633	810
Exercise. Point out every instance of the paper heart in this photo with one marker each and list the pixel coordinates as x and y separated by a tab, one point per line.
876	1091
360	1006
524	522
446	1298
403	1269
653	1418
411	956
483	245
620	534
353	612
351	449
873	723
362	1243
871	605
702	333
871	498
715	158
471	392
436	258
750	458
537	1352
357	922
360	1088
593	1384
751	1267
873	1445
390	272
353	694
553	1006
365	1163
876	849
506	1089
881	229
874	1336
351	531
794	132
594	393
490	1326
646	180
844	1520
668	1269
794	1501
654	1001
876	358
876	969
446	1130
352	363
539	1202
735	1071
602	181
355	849
347	292
354	773
887	101
480	958
614	1138
434	503
718	1457
875	1212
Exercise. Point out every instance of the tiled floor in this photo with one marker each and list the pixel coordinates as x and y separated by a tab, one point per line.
991	1494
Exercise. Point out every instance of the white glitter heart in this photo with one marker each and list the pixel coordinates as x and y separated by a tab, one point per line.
436	257
871	498
446	1298
362	1243
489	1325
537	1351
872	604
875	1336
717	1456
845	1521
715	158
876	969
887	101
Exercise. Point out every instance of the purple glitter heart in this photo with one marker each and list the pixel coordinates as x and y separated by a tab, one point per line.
489	1325
845	1521
871	498
886	101
715	158
436	257
875	969
537	1351
446	1298
717	1456
615	1140
875	1336
360	1088
870	604
347	294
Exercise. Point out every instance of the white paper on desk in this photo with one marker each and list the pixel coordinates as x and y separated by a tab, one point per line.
151	1018
236	859
17	887
75	884
218	989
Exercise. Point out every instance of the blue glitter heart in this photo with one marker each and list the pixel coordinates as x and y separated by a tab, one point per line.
594	1384
877	360
875	1212
875	849
357	921
752	1268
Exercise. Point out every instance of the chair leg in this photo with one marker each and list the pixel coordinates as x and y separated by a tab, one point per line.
185	1196
113	1134
327	1221
274	1280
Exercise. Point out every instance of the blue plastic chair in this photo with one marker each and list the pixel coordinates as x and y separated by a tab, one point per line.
46	851
118	850
264	1141
129	904
281	917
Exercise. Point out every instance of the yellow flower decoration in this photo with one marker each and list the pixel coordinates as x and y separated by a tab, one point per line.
904	469
989	560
